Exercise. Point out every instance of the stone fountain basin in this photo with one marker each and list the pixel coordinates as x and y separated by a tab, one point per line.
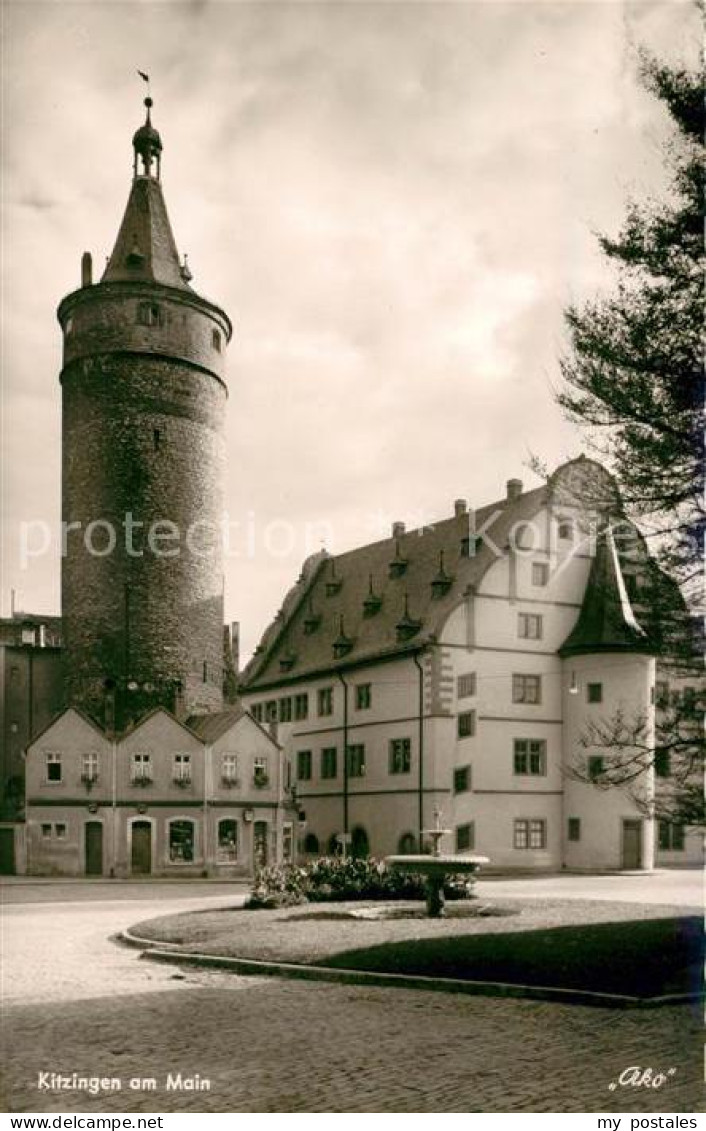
437	865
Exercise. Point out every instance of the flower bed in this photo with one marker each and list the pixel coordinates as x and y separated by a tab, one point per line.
336	879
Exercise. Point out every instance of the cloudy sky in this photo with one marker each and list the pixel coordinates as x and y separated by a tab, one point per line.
394	201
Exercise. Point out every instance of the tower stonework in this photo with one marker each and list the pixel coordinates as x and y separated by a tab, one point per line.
143	401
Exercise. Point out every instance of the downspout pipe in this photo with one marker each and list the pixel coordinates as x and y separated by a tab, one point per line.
420	742
345	752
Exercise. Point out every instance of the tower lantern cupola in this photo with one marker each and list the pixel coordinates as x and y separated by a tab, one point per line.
147	145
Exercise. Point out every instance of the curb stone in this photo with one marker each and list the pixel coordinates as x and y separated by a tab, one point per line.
172	952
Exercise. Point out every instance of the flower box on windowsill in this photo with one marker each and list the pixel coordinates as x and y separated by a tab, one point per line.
182	782
89	779
260	781
230	783
143	779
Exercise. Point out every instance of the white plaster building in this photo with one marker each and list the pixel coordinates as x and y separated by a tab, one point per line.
456	668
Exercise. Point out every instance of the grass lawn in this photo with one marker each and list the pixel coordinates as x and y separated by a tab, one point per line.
640	959
611	947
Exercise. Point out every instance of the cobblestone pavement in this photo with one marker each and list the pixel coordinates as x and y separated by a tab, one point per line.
76	1002
279	1046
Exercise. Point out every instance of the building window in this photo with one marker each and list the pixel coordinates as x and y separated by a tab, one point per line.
53	764
271	711
540	574
530	834
462	779
661	697
594	692
181	842
260	777
325	701
229	769
142	768
287	842
304	765
465	837
530	756
285	710
60	831
574	828
363	696
466	685
329	762
663	763
89	773
182	769
256	711
596	767
670	837
466	724
227	852
46	830
301	706
407	844
356	760
216	340
400	755
311	844
529	626
526	688
149	314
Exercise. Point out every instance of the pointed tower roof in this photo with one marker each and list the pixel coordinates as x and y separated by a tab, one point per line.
145	250
606	622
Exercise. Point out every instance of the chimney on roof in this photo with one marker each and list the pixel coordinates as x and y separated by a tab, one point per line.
460	507
398	529
86	269
514	489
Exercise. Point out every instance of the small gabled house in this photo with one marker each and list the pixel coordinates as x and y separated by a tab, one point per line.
165	798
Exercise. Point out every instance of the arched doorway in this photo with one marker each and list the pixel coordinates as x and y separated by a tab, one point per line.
360	844
407	844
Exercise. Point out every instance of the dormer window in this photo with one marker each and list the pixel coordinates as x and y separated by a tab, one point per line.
312	620
407	627
333	584
372	603
442	582
471	545
342	644
149	314
287	662
398	565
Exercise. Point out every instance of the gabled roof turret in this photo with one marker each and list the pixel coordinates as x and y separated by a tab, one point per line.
606	622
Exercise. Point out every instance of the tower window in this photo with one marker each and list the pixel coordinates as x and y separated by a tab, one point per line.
149	314
216	340
156	438
205	672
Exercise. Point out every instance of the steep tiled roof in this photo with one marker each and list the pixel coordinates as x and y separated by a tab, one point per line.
145	250
382	599
211	727
606	622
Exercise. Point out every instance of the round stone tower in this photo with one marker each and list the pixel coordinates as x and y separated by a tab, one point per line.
143	396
